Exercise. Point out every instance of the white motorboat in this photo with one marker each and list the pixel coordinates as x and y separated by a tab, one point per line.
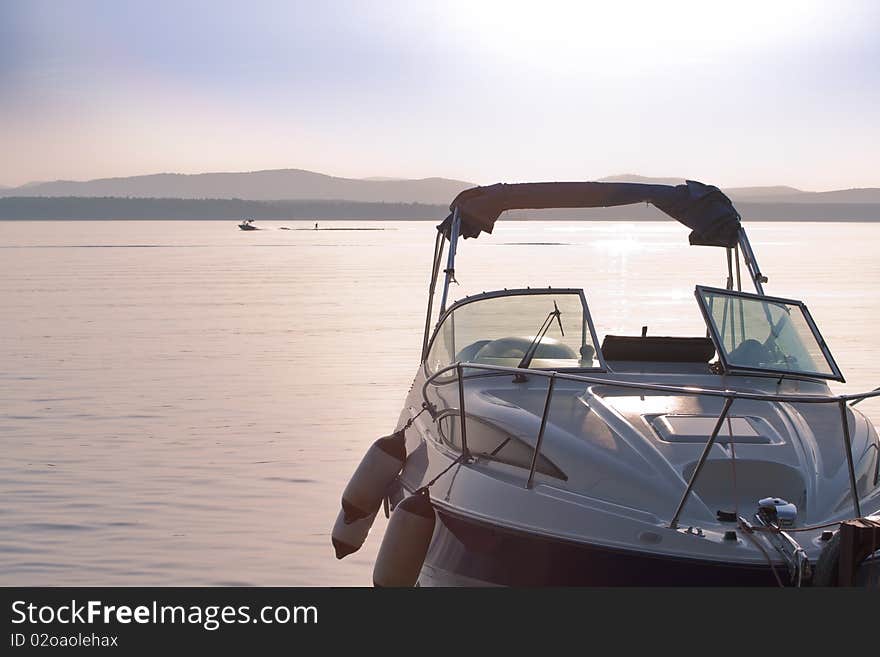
536	455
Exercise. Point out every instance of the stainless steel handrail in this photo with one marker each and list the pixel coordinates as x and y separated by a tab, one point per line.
540	438
849	459
656	387
462	413
859	401
728	395
696	473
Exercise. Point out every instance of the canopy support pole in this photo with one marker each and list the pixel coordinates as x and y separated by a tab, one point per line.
739	283
432	285
751	263
450	262
729	268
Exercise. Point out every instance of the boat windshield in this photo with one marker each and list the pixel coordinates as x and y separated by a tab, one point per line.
544	328
759	333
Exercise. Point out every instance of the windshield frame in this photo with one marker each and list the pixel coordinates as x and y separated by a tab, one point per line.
699	291
603	367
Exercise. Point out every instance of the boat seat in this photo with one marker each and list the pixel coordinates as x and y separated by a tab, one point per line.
658	349
468	354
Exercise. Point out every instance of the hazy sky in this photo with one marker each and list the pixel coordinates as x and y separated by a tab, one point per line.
731	93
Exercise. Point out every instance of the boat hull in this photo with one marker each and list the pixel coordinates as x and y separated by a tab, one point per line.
467	552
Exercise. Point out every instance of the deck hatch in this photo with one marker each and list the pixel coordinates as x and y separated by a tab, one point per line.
698	428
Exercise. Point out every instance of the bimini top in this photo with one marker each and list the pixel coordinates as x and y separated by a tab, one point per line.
703	208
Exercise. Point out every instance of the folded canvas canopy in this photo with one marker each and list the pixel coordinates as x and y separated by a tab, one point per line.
703	208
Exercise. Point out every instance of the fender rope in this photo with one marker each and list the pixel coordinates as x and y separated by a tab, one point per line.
424	489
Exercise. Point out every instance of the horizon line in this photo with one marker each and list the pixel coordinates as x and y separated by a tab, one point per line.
383	178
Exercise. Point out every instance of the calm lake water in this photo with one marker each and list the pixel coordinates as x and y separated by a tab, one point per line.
183	403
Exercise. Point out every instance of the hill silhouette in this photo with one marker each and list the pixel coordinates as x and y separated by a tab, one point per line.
300	194
769	193
302	185
269	185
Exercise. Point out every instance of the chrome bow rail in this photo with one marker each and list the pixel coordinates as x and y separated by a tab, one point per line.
729	396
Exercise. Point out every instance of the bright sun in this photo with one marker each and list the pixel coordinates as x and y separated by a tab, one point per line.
628	31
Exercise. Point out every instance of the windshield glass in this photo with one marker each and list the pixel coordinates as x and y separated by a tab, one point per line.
763	333
546	329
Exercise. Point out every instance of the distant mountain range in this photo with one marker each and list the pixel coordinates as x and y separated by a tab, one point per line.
298	194
299	185
770	194
271	185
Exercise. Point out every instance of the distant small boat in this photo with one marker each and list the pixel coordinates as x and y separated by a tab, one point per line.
248	224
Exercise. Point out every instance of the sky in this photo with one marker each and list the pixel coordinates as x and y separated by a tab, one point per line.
729	93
